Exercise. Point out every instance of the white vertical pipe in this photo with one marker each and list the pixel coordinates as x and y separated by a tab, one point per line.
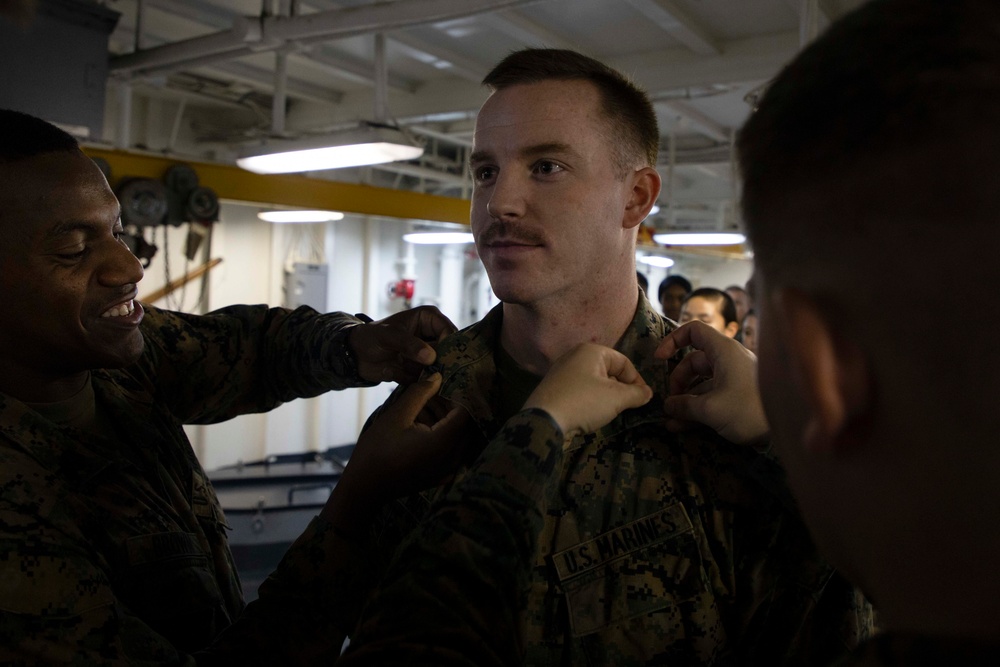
124	135
280	93
381	80
370	298
139	15
452	280
808	22
176	129
280	96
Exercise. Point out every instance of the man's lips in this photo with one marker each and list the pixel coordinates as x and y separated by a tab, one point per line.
128	312
512	244
123	309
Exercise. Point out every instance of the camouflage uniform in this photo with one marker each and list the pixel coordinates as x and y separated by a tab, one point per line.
112	549
489	520
655	548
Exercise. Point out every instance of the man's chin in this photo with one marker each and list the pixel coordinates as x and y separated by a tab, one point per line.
127	354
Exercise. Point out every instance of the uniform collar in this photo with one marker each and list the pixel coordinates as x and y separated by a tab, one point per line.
465	360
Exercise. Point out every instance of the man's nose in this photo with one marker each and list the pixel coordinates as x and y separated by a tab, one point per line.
119	266
508	198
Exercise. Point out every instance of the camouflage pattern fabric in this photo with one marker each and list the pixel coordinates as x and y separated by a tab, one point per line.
655	548
910	650
113	549
489	519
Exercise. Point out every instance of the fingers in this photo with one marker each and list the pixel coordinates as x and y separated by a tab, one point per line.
691	368
684	407
432	325
697	334
619	367
400	345
634	395
414	399
453	424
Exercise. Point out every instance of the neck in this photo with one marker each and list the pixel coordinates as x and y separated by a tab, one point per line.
535	335
39	387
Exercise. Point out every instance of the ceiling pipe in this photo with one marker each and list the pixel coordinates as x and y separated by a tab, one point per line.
280	97
267	33
440	136
381	80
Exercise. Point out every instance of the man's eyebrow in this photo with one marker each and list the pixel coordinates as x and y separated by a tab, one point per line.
480	156
548	148
72	226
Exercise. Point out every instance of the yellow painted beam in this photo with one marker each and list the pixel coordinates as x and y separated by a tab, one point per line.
232	183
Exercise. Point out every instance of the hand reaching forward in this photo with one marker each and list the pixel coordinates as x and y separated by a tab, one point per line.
715	385
395	348
588	387
415	443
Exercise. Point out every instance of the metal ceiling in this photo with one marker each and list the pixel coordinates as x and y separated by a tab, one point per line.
200	78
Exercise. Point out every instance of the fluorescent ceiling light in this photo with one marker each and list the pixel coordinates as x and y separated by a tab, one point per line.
300	216
369	144
657	260
438	238
699	238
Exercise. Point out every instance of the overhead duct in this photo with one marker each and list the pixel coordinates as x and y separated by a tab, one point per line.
267	33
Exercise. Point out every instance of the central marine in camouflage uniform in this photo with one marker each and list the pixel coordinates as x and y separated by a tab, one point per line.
658	548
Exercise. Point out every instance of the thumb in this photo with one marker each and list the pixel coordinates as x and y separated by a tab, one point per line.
409	347
684	407
415	397
634	395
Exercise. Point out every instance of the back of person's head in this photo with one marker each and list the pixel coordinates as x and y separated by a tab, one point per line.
674	280
853	148
850	177
24	136
872	159
723	302
632	125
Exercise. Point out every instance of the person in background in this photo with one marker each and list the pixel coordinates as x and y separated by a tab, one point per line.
113	546
659	546
671	293
741	299
749	331
888	433
713	307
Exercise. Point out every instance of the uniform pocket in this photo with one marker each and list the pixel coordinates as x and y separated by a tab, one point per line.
170	584
649	564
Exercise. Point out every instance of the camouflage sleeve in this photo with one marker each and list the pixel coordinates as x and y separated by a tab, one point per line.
244	359
305	608
455	590
57	606
452	593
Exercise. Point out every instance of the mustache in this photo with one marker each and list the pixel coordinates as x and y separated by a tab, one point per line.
508	234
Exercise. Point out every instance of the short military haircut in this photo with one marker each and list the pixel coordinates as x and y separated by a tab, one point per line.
23	136
724	302
673	280
836	156
633	130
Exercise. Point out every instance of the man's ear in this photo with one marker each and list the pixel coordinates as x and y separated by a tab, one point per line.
732	329
645	190
829	372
